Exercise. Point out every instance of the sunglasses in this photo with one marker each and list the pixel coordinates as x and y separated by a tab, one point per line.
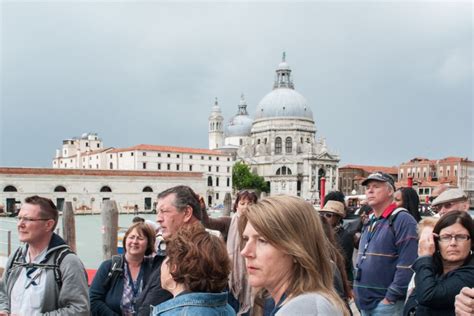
446	205
326	214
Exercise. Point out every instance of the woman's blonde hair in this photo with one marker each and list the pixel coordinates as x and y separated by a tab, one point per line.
293	226
426	222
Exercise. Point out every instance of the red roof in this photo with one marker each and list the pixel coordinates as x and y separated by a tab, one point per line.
171	149
453	159
420	183
102	173
371	169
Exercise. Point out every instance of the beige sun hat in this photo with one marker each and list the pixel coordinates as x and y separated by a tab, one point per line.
335	207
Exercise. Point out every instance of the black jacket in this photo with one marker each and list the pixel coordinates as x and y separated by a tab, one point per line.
434	294
153	293
106	300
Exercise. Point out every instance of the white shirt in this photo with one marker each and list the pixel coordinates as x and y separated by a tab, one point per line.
28	291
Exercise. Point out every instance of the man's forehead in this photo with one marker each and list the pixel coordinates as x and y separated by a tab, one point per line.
166	201
26	207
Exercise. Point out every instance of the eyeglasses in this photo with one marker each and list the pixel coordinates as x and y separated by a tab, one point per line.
30	219
326	214
448	238
446	205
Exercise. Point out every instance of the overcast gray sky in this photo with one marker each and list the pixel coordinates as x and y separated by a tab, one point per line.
386	81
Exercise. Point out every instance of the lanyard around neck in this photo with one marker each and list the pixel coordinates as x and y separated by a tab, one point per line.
137	284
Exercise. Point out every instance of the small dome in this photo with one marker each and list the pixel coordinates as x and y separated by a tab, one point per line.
283	66
283	102
239	125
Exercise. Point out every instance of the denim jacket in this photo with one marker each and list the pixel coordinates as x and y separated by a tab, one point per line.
200	304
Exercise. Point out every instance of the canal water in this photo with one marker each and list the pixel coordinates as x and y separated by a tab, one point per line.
88	235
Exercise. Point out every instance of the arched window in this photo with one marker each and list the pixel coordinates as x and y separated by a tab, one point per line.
209	181
147	189
10	188
111	165
288	145
283	171
105	188
60	188
278	145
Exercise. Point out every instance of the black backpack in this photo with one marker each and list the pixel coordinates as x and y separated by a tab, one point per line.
116	271
58	259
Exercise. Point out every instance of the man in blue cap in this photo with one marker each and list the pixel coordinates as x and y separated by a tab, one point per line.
387	248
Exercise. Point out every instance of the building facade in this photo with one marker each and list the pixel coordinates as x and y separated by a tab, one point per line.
351	177
215	165
88	189
426	174
280	143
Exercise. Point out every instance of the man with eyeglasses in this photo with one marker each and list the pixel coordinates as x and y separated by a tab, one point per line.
451	200
176	207
34	281
388	246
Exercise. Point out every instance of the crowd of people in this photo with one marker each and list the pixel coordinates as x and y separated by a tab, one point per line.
274	256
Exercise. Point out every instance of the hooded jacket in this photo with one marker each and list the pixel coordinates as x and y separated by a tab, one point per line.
70	298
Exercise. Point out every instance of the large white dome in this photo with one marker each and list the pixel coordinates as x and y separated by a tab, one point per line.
283	102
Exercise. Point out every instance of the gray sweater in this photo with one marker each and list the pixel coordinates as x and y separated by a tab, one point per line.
309	304
70	299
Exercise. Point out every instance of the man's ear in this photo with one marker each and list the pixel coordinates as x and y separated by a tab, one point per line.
50	224
188	213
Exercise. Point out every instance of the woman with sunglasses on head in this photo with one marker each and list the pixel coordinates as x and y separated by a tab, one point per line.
445	265
239	289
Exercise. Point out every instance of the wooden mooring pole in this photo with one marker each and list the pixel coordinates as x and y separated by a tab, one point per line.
227	204
69	226
109	229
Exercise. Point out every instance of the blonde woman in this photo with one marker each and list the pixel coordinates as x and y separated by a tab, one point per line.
285	251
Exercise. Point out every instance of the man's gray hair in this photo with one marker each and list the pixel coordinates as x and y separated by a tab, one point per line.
184	197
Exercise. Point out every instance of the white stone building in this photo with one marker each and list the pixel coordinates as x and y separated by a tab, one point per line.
280	143
87	189
87	152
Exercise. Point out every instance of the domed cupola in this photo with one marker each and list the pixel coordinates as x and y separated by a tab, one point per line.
241	123
284	100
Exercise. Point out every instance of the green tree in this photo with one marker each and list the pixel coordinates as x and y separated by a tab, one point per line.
243	178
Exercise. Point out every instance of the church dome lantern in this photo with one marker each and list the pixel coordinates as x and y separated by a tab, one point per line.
241	123
283	100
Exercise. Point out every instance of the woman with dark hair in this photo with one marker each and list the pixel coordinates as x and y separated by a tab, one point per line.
239	289
115	288
408	199
196	273
445	265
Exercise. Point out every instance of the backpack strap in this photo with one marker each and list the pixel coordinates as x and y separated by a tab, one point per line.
116	270
393	216
58	259
15	261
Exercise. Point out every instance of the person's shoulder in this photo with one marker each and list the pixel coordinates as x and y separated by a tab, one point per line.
402	216
309	304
